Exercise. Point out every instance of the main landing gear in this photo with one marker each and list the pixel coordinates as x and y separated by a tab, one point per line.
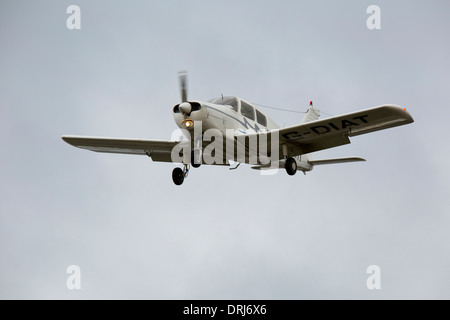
178	174
291	166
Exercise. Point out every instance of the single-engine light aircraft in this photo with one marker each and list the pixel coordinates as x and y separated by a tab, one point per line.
248	136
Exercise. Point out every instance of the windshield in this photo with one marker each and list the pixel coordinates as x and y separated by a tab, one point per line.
227	101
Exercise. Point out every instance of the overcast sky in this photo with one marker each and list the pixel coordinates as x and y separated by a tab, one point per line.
223	234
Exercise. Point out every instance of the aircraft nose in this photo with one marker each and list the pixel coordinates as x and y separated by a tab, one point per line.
185	107
186	113
188	108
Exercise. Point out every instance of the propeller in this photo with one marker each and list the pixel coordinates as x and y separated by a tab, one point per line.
185	107
182	75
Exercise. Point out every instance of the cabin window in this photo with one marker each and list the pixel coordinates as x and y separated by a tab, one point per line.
262	120
247	110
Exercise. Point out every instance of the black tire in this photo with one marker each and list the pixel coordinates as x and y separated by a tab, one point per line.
178	176
291	166
196	160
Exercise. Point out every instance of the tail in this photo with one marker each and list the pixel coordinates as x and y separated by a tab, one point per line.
312	114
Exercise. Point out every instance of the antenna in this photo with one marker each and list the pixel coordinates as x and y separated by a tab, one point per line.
281	109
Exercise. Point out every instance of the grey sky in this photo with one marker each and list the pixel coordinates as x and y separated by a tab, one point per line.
223	234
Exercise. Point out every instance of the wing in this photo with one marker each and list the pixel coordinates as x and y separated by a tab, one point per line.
158	150
332	132
335	131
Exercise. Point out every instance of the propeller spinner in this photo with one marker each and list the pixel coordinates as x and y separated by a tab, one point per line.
185	107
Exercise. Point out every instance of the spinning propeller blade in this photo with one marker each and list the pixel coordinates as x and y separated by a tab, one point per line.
183	85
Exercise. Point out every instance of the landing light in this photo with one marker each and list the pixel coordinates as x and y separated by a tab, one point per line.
187	123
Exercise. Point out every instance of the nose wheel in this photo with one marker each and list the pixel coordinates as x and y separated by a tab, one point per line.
179	174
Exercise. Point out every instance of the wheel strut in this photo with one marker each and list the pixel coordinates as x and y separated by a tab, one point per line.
186	168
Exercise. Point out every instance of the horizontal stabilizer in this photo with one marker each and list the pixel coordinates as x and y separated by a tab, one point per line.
333	161
263	167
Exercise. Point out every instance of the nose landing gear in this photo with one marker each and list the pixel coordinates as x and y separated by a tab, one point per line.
179	174
196	158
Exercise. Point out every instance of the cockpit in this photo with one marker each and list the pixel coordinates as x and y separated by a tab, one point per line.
242	107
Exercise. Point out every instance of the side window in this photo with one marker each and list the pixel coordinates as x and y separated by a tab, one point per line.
262	120
247	110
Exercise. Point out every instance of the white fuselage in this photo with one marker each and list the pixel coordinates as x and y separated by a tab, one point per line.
229	113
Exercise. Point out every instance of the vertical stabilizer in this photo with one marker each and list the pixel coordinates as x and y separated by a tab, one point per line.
312	114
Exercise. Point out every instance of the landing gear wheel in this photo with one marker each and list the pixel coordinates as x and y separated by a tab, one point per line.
178	176
291	166
196	158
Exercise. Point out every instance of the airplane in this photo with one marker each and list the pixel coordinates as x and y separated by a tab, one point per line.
236	121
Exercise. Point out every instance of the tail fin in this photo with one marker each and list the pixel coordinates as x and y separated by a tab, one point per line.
312	114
